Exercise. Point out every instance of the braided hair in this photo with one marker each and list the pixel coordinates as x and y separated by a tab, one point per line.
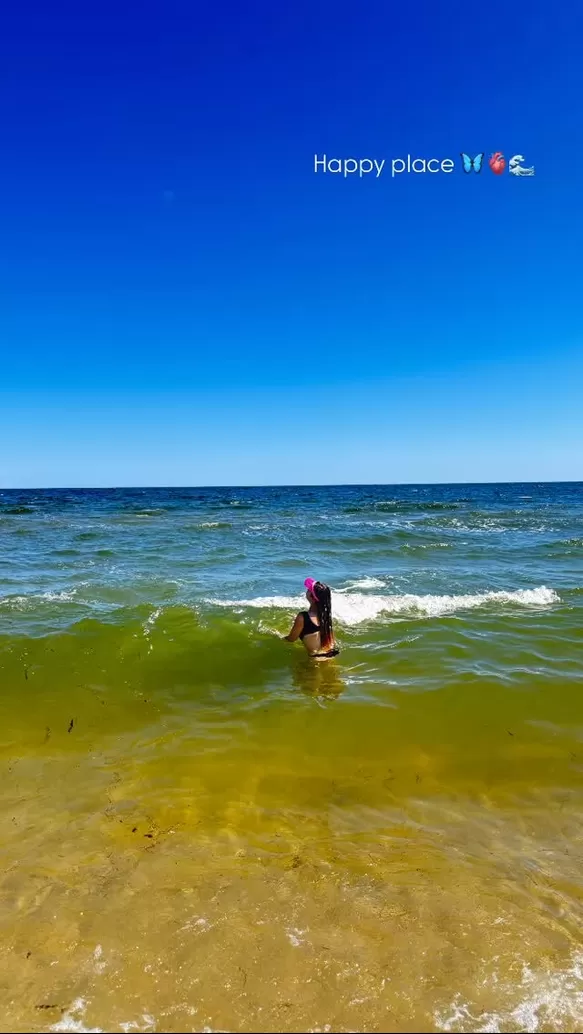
323	599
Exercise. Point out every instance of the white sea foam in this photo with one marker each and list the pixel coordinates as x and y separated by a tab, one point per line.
72	1019
364	583
357	608
540	1001
151	621
295	937
98	962
148	1024
23	602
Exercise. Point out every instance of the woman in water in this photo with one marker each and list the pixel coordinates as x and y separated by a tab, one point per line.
314	626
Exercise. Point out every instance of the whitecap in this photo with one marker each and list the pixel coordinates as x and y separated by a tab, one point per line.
364	583
357	608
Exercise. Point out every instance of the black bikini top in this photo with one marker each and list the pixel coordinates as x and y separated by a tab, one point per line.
309	626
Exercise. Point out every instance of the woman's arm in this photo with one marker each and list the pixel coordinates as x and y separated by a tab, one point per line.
296	630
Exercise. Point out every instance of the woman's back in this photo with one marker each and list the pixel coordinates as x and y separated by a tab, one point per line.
314	626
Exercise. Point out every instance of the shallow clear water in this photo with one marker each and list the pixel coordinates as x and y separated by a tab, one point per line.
203	830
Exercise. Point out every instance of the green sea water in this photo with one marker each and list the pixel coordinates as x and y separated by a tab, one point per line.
203	830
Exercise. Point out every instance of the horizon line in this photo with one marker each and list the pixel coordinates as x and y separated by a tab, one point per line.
347	484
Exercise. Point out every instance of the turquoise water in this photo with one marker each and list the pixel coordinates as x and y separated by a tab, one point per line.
392	841
75	554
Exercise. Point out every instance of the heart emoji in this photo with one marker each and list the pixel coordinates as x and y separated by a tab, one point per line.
497	162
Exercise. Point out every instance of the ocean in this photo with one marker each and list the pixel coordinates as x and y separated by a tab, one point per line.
203	830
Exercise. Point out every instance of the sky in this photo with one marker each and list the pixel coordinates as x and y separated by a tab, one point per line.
185	301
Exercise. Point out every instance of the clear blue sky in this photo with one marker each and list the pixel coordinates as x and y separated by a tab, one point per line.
183	301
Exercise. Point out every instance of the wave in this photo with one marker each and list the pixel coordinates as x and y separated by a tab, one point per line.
205	526
94	596
403	506
564	547
32	599
356	608
356	604
239	504
364	583
173	652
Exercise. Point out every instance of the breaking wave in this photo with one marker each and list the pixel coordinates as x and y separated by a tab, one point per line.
354	608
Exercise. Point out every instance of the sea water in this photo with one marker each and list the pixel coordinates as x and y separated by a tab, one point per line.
202	829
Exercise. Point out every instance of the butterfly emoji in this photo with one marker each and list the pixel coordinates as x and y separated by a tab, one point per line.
472	163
